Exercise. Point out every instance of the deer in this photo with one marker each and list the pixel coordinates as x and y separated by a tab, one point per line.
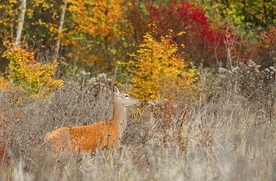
98	135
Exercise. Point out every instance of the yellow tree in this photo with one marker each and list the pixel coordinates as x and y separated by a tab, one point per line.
97	27
157	68
97	18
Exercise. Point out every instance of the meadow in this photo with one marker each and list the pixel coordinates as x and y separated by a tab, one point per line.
221	136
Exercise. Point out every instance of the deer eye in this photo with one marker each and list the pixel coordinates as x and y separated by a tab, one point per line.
126	95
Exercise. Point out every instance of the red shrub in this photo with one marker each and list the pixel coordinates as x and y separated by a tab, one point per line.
202	43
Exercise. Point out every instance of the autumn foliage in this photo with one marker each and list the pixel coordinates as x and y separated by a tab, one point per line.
156	67
203	44
28	75
98	33
101	17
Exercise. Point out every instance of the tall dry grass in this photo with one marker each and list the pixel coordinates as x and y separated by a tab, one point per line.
225	135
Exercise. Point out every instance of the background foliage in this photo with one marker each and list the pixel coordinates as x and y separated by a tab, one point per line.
98	33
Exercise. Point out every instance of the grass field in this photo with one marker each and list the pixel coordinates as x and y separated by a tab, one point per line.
224	135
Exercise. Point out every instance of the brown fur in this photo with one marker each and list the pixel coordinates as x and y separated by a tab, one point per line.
78	139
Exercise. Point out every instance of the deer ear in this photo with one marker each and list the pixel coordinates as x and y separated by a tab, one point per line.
116	89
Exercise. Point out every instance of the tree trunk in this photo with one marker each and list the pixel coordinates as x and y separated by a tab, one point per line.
60	27
21	19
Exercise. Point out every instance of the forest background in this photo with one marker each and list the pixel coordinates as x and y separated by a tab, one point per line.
178	57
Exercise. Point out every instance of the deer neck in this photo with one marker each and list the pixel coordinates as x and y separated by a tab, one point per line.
119	116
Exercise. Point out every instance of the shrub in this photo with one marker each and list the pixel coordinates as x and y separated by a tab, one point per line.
27	74
156	67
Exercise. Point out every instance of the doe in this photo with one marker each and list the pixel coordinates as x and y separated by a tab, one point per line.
99	135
